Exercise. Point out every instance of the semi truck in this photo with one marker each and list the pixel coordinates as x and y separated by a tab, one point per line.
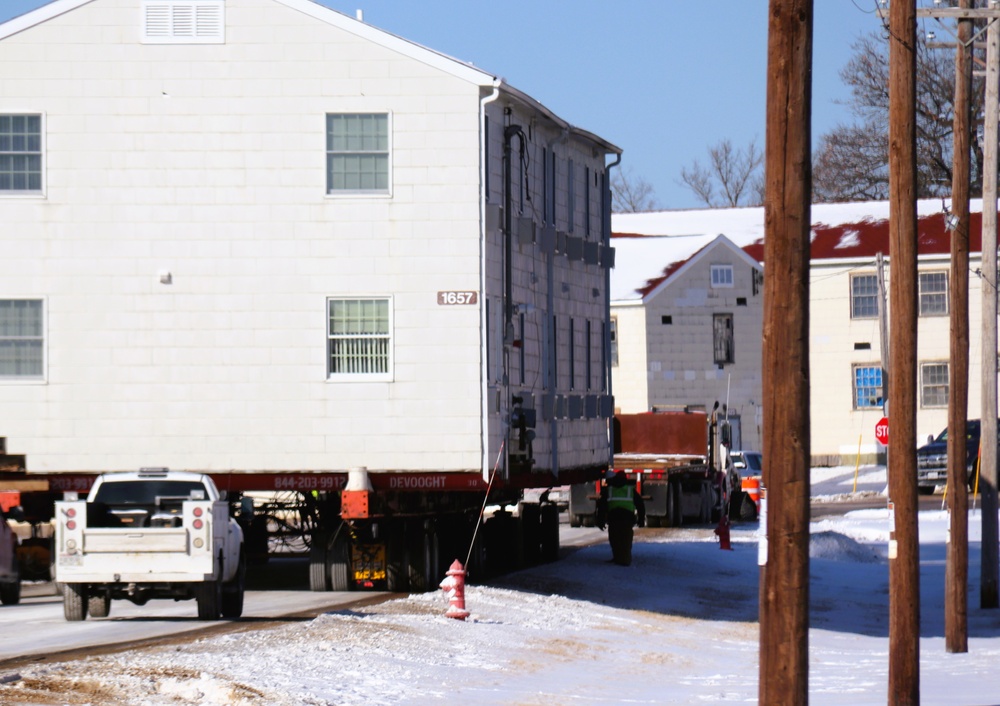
150	534
673	460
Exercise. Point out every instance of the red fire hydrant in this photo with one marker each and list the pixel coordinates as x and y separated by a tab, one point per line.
454	587
723	532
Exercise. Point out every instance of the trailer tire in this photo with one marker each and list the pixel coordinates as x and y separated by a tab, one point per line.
234	591
550	533
99	605
705	511
208	595
574	519
75	601
530	516
338	563
674	516
10	592
654	521
748	509
319	574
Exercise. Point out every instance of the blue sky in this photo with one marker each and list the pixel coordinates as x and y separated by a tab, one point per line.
662	79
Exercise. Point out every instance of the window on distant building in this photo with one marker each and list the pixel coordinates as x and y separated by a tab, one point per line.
22	341
867	386
933	293
722	336
613	337
864	297
722	276
933	384
20	153
357	153
359	339
184	21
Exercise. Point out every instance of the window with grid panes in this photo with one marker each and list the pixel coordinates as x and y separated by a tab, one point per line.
933	293
359	338
20	153
21	339
357	153
867	386
864	296
933	384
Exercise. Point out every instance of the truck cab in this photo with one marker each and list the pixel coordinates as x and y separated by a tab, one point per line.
10	574
932	458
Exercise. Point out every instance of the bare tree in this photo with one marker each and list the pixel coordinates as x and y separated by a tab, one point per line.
733	177
851	161
631	194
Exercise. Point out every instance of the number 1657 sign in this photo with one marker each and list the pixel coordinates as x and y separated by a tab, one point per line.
457	298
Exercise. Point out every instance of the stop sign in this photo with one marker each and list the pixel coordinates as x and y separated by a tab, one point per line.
882	431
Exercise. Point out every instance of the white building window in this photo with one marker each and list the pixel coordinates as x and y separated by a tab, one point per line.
184	22
867	386
722	276
20	153
722	337
933	384
357	153
359	339
933	293
864	297
22	341
613	340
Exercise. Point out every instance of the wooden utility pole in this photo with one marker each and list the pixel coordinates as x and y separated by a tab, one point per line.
988	413
956	604
784	596
904	556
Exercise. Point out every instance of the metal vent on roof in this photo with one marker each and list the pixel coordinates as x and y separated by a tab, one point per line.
184	22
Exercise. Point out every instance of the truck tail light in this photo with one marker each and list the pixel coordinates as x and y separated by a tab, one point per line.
198	524
71	512
71	524
198	513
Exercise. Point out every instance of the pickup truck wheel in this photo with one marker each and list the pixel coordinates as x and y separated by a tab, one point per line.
208	594
748	508
233	592
99	605
75	601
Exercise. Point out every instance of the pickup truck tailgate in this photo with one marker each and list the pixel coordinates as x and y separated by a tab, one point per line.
153	540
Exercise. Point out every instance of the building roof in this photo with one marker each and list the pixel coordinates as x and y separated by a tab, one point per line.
443	62
850	231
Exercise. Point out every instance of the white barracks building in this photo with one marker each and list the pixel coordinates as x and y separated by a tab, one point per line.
261	234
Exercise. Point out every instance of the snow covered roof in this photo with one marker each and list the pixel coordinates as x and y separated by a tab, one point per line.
840	231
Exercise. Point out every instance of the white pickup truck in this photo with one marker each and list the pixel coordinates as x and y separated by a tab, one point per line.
152	534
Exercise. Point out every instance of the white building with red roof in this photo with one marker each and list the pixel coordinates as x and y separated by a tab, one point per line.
845	351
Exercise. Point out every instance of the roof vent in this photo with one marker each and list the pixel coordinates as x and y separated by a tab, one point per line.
183	22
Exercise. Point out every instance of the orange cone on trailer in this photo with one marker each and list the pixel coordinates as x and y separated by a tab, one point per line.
751	486
454	587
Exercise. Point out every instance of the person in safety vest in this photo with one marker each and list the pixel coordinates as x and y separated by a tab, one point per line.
621	506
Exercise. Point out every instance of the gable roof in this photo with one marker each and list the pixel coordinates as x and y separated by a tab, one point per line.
449	65
854	231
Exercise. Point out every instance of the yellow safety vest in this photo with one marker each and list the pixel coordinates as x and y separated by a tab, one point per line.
620	498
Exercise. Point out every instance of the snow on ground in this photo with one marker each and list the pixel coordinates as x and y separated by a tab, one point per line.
677	627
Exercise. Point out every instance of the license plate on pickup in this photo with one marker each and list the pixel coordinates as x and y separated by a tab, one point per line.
70	560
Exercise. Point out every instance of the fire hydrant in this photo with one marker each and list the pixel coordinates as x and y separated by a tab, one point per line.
454	588
723	532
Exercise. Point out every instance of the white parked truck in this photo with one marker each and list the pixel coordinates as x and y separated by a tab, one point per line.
151	534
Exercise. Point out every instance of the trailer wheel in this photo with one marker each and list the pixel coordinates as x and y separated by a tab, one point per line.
550	533
319	576
654	521
75	601
674	516
208	594
99	605
574	519
705	513
338	561
234	591
10	592
530	516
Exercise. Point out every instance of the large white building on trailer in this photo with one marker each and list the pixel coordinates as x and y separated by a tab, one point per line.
263	235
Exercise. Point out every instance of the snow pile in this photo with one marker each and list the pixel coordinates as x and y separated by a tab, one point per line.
679	626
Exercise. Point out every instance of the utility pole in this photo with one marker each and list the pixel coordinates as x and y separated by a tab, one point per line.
956	608
904	556
784	595
988	413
